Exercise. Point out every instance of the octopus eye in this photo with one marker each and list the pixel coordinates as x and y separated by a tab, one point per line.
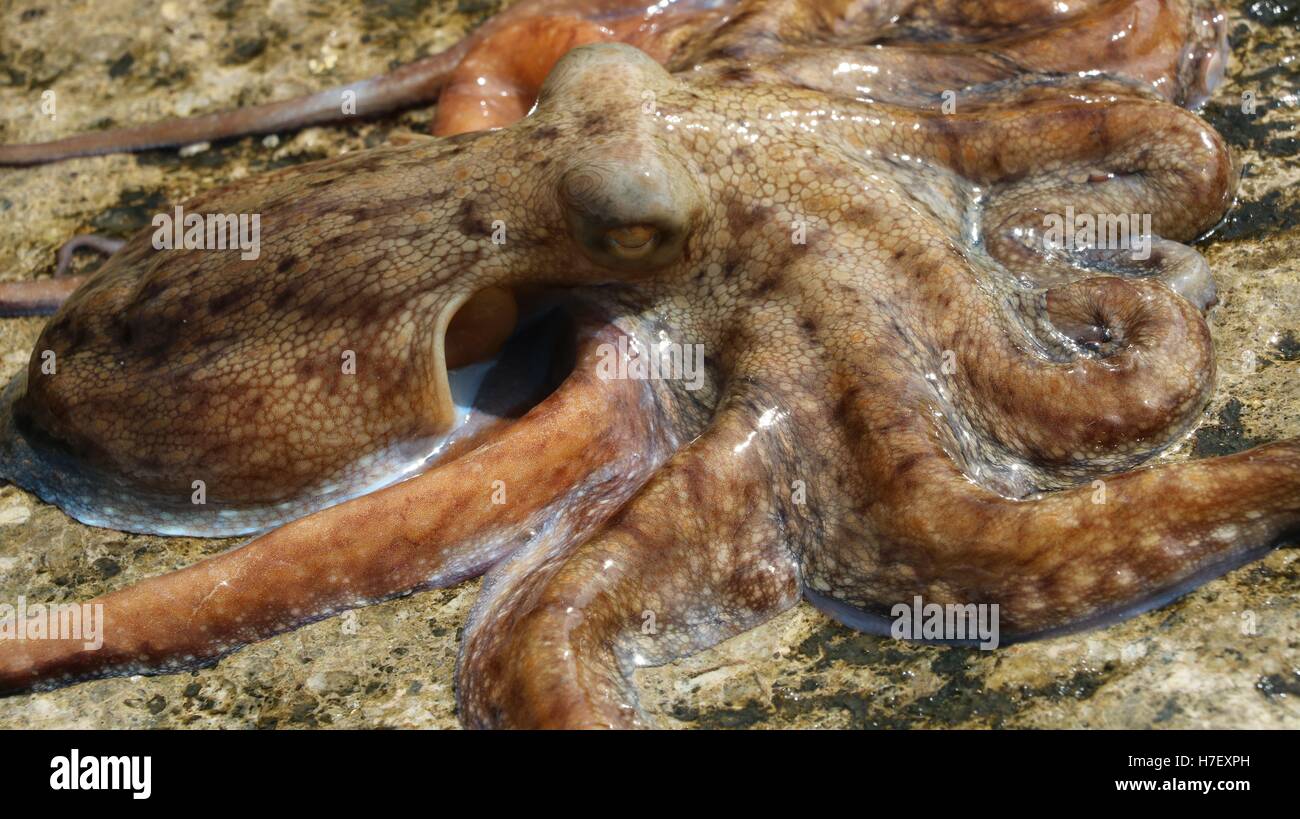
631	211
634	242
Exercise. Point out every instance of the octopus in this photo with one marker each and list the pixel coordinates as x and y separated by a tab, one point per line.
686	313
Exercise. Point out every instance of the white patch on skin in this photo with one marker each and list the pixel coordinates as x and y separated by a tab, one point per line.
1226	533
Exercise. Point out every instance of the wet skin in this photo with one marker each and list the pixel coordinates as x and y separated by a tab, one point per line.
907	393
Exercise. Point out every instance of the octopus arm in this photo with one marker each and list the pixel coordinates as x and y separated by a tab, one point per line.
433	530
1061	560
703	552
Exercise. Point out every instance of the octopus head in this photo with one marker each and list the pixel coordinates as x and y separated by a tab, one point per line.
392	291
628	202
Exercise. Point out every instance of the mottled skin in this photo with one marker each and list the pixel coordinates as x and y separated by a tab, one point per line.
906	395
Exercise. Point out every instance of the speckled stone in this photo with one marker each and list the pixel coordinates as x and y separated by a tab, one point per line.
1227	655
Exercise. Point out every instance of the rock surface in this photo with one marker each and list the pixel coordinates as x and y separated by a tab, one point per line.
1226	655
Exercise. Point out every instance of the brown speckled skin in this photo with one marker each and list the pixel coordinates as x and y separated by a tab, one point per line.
904	403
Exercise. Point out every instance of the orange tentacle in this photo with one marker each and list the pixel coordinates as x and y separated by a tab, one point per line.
498	80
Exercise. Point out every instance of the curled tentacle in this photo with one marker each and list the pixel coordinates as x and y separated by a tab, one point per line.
1148	385
1055	160
1103	371
1179	267
1172	50
1082	556
1177	48
1152	376
100	244
1182	190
